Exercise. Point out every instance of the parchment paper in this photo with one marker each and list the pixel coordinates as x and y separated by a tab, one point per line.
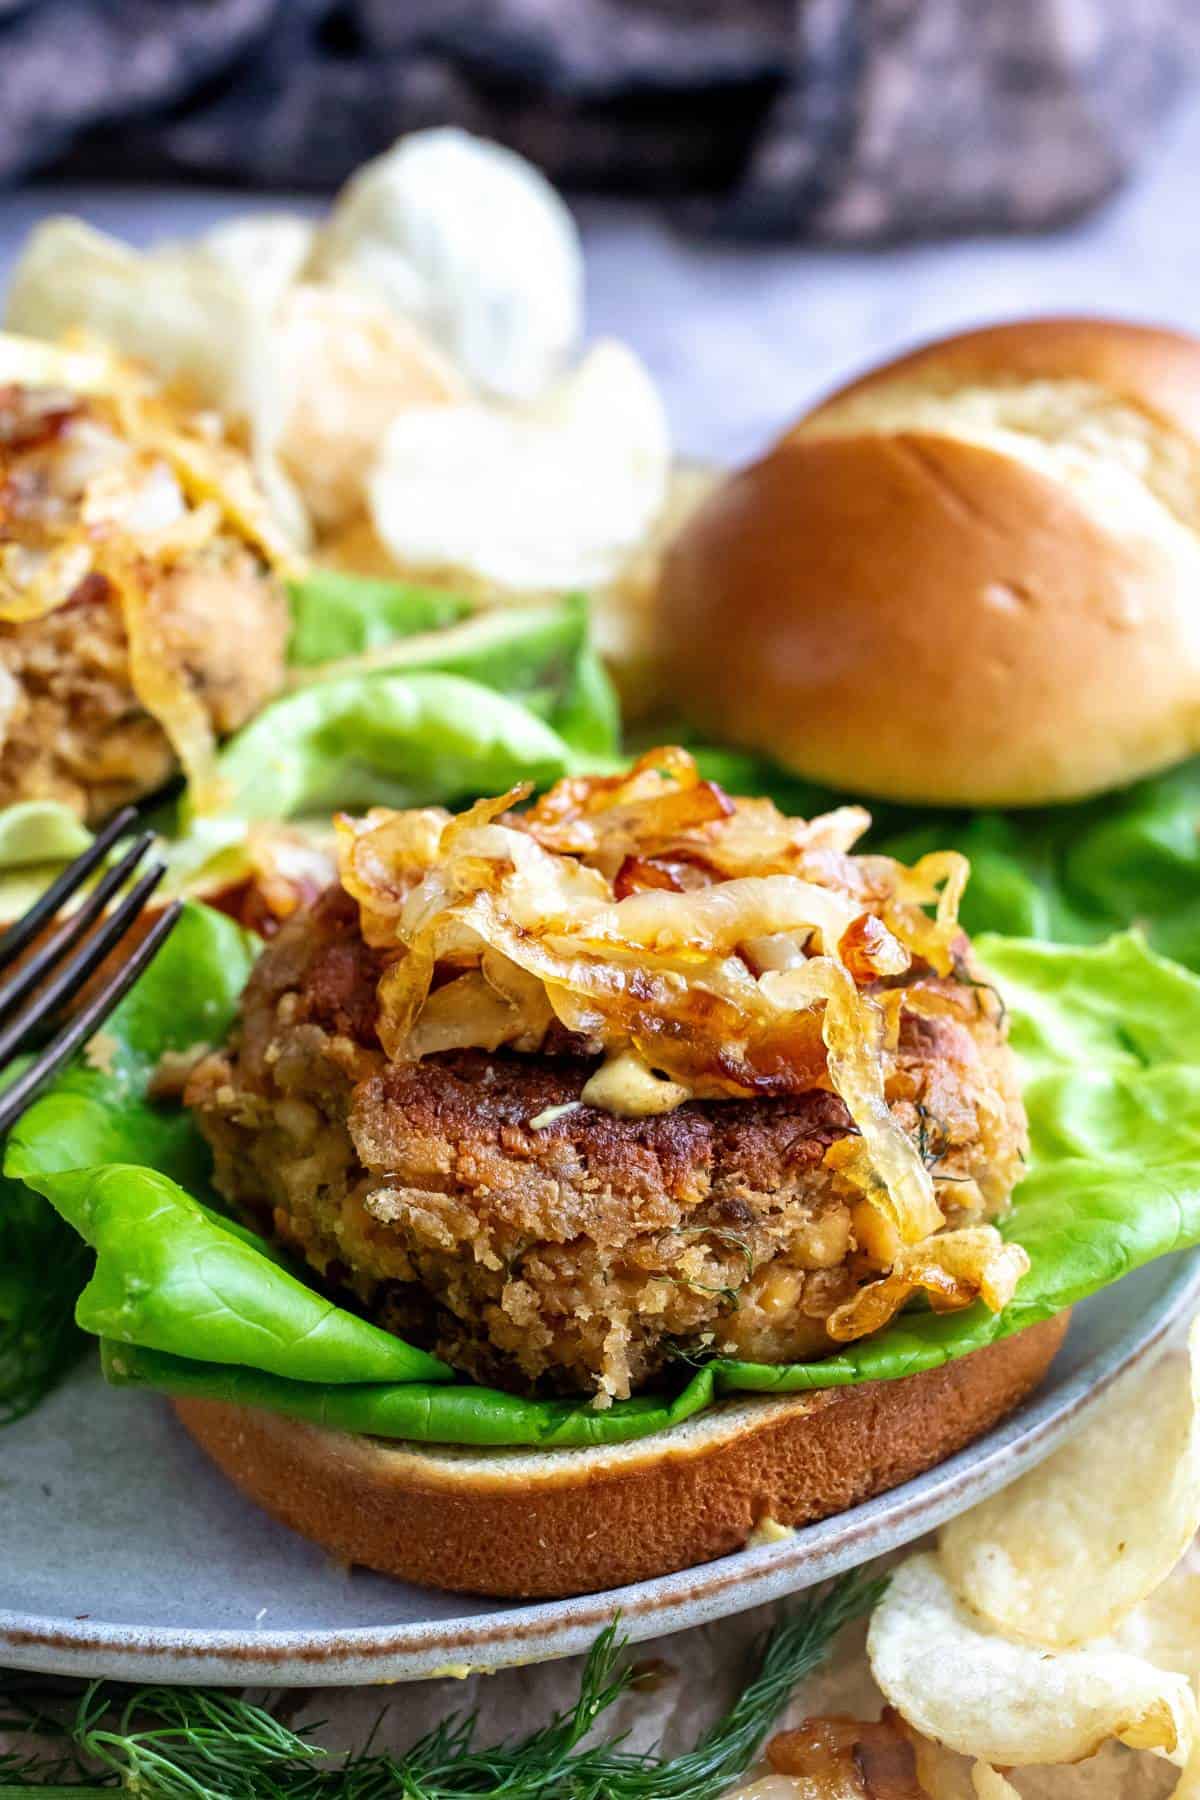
691	1677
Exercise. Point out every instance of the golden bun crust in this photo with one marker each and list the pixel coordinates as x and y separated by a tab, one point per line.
971	577
546	1523
1144	365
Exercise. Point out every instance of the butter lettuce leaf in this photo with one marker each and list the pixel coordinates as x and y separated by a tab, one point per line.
36	838
539	655
187	1302
385	740
175	1276
39	1339
419	1411
437	716
125	1171
336	614
37	832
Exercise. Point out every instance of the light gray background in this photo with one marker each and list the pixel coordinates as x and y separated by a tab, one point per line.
742	339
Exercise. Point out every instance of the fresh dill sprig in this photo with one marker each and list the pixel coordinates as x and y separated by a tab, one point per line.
962	972
930	1157
169	1743
692	1357
201	1744
43	1268
733	1240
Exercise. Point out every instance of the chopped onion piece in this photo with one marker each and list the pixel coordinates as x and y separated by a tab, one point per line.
953	1270
162	686
34	584
852	1027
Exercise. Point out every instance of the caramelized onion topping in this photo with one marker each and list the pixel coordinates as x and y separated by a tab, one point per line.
704	946
839	1758
122	485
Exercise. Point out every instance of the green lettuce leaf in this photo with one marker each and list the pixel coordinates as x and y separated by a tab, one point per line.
37	832
502	697
542	656
385	740
43	1266
118	1166
420	1411
36	838
1108	1036
335	615
175	1276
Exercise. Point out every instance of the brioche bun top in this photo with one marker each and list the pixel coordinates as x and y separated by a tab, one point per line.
971	577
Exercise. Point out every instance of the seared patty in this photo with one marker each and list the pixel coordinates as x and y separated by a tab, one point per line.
472	1202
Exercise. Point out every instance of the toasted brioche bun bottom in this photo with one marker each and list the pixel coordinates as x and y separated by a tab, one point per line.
546	1523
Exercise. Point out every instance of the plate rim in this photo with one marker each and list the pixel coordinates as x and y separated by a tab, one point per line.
547	1630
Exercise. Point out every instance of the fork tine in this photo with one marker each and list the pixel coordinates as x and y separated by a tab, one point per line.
82	1024
73	928
27	927
75	971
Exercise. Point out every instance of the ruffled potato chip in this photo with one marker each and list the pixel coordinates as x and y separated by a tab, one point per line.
184	312
1003	1702
29	362
349	367
1165	1628
181	315
1066	1552
1188	1785
559	493
264	252
469	241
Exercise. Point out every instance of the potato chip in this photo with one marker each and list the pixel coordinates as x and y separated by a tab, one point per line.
1165	1628
29	362
1062	1555
559	493
265	253
990	1784
1188	1785
348	366
181	316
182	312
470	242
988	1696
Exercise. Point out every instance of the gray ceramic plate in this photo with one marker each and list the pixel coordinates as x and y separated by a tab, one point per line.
123	1553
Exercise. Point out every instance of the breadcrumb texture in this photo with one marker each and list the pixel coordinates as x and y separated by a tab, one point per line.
473	1203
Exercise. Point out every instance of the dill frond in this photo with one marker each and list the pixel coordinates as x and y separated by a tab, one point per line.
204	1744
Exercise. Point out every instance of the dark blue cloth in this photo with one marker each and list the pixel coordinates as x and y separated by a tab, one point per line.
841	119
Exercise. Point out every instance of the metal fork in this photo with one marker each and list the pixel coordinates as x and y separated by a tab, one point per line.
39	987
